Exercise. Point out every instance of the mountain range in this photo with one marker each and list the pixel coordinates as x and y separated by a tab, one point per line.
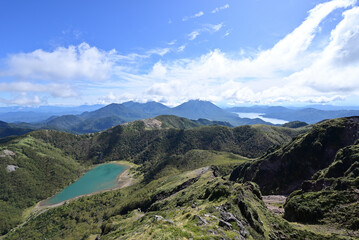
190	181
91	119
115	114
309	114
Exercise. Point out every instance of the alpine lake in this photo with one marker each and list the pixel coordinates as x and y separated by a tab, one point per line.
100	178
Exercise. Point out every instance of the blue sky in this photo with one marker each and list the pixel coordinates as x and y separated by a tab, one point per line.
279	52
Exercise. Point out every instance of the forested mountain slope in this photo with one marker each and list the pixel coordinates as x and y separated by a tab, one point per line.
48	160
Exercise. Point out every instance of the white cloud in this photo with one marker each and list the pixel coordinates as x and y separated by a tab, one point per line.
220	8
23	100
172	42
56	90
181	48
227	34
74	62
211	28
337	67
215	28
193	35
158	51
288	72
197	15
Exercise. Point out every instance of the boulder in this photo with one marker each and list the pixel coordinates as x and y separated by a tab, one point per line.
225	225
11	168
7	153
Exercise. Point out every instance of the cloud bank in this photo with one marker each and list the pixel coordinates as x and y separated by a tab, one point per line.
290	71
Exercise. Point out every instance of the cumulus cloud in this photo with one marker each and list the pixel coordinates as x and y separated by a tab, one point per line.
61	72
74	62
23	100
197	15
337	67
220	8
288	72
56	90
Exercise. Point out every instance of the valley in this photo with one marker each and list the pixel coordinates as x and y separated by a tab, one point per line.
184	183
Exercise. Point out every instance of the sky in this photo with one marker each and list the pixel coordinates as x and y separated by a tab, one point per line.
230	52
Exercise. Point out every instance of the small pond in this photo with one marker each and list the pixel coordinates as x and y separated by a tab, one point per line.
100	178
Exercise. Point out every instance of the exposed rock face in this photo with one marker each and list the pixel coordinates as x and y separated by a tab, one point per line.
152	123
11	168
225	225
201	220
284	170
158	218
149	123
6	153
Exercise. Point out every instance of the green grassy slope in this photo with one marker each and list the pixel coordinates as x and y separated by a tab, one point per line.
171	121
197	204
332	195
11	129
48	160
135	143
151	147
42	170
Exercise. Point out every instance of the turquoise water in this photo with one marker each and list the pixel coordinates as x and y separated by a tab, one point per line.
99	178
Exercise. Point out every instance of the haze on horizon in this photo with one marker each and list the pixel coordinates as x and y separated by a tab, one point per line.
227	52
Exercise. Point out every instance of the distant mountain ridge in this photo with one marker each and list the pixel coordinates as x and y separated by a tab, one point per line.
98	118
309	114
115	114
11	129
37	114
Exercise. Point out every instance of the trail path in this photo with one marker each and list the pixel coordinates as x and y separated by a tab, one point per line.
275	203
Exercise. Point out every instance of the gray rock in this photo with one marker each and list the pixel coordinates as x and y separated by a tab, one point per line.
227	216
225	225
158	218
201	220
240	235
210	216
6	153
11	168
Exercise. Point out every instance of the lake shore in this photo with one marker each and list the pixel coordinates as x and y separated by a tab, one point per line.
124	179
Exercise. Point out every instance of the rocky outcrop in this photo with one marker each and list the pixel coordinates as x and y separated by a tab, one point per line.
7	153
11	168
284	170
